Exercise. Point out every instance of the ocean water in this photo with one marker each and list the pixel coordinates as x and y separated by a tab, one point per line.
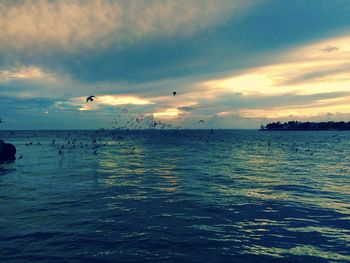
176	196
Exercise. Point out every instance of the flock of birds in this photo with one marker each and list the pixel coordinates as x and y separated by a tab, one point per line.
93	141
139	122
150	121
72	141
82	142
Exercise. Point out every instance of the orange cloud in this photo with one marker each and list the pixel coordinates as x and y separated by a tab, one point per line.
167	113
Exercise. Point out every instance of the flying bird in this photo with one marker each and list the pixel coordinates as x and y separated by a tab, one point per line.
90	98
201	121
174	93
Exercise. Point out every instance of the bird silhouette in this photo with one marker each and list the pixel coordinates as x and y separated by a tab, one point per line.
201	121
174	93
90	98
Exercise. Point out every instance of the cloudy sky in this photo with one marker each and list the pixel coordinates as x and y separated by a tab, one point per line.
234	64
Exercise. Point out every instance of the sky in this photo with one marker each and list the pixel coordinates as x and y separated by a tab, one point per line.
233	64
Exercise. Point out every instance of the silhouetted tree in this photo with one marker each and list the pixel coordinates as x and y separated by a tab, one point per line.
306	126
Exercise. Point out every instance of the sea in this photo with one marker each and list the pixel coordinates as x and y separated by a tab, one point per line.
176	196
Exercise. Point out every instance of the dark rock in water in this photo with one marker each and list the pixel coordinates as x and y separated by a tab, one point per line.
7	151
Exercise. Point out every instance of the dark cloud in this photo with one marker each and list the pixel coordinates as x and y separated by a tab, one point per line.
187	108
330	49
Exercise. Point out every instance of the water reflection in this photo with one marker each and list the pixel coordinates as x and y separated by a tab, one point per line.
136	165
7	167
168	175
308	251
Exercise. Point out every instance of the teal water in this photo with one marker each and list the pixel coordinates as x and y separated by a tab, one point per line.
176	196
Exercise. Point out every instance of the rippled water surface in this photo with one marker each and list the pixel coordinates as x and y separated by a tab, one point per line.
176	196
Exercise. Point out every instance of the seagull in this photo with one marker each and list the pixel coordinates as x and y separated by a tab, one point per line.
174	93
90	98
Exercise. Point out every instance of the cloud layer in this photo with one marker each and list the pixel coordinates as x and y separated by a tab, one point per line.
72	25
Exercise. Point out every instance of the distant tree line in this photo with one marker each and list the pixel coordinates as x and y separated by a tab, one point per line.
306	126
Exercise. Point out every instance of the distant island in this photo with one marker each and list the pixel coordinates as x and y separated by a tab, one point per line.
307	126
